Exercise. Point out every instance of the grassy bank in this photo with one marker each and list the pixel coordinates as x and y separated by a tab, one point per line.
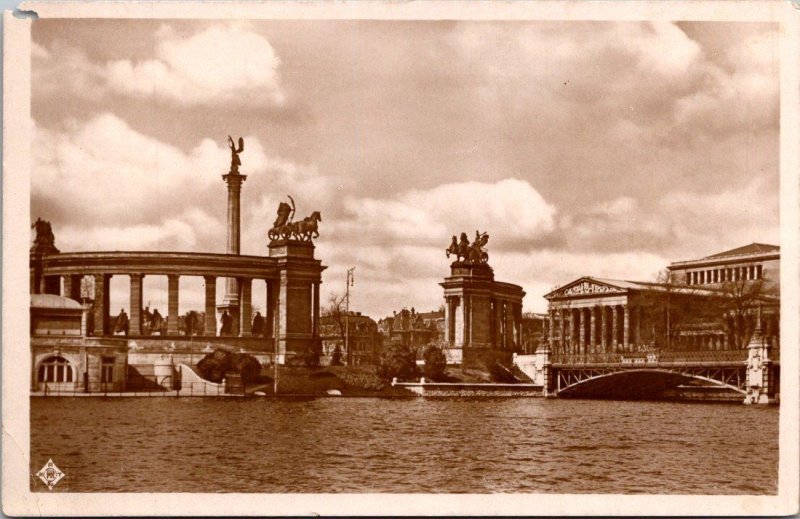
349	381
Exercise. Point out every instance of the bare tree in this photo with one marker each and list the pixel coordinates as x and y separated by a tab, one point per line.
739	311
335	311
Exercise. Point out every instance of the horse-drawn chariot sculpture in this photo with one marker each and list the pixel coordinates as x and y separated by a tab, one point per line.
286	228
467	252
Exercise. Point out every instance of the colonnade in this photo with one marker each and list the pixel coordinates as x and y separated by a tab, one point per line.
466	323
277	302
724	275
594	329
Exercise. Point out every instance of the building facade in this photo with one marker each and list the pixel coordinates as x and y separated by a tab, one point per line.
63	358
364	340
708	304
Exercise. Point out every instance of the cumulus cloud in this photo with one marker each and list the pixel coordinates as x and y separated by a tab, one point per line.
511	208
221	64
120	187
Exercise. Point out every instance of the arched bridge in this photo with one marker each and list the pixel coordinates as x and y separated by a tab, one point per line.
641	376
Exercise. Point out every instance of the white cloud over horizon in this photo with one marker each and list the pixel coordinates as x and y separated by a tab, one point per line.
604	149
223	63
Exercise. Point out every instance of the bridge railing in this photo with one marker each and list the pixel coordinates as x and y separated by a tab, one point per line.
660	357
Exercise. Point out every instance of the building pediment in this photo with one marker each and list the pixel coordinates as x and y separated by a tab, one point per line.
585	286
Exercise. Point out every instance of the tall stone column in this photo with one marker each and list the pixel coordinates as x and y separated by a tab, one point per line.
102	286
272	302
603	330
465	321
572	334
245	305
136	304
173	294
211	305
499	340
72	287
581	331
626	322
448	313
593	329
614	328
234	182
551	322
315	310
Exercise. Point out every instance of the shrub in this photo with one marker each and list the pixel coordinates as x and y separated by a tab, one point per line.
398	361
215	364
435	363
312	353
363	379
336	358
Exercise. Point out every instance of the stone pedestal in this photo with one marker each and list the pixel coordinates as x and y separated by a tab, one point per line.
291	298
481	313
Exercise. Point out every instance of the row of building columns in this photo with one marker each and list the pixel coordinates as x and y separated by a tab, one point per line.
597	329
102	317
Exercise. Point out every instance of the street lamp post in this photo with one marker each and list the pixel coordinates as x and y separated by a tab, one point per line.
348	284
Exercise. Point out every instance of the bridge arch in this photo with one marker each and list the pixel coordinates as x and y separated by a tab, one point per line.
642	382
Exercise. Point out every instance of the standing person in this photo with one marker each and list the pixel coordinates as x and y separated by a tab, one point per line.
225	323
258	324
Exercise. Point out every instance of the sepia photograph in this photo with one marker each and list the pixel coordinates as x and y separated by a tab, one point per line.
306	251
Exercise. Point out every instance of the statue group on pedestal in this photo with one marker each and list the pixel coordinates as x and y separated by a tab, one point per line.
285	228
45	241
469	252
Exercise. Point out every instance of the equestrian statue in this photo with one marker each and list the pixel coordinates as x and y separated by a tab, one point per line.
285	228
467	252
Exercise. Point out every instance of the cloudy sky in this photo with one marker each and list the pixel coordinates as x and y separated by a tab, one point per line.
582	148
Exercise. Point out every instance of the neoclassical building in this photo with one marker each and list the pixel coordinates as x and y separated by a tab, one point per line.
601	316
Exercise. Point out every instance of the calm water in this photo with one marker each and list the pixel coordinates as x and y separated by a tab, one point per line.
416	445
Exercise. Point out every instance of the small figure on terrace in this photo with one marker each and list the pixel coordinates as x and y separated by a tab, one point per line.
122	323
157	323
258	324
226	323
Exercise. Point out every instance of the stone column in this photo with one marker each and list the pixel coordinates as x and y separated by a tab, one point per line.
101	303
172	303
603	330
551	322
136	304
581	331
447	313
614	328
573	331
272	304
561	343
72	287
626	323
245	305
211	305
315	309
498	327
593	329
234	181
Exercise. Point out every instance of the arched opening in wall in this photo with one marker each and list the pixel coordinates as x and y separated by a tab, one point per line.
191	306
55	369
119	310
154	300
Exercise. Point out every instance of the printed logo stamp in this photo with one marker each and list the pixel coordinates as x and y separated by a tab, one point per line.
50	474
